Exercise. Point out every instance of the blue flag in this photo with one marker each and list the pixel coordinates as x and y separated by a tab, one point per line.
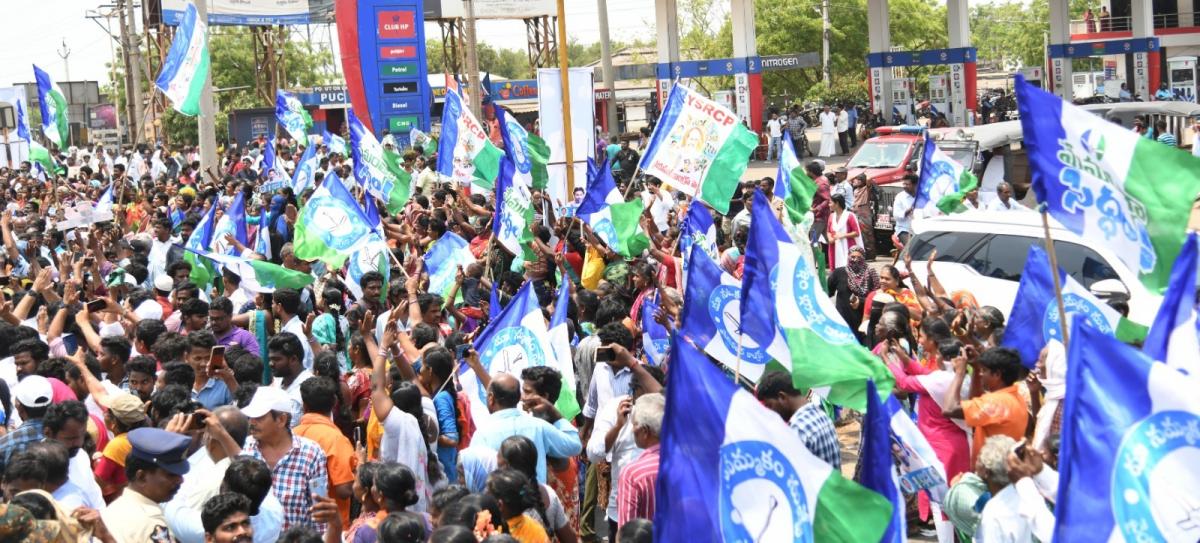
515	340
302	179
22	122
232	222
292	115
712	317
733	470
331	225
656	341
1130	428
697	228
371	211
335	143
53	105
1034	321
494	302
1174	337
262	239
443	259
878	463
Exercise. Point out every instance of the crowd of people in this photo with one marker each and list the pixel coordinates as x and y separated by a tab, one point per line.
142	403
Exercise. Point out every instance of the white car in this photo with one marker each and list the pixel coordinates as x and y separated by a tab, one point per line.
984	252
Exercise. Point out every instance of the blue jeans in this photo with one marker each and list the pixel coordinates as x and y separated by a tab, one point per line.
773	149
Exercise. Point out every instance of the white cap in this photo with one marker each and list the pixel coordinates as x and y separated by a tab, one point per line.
149	309
164	283
267	399
34	391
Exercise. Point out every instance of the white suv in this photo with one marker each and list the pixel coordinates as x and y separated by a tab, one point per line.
984	253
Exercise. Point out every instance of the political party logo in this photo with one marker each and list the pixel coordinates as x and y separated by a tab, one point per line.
367	259
510	351
1075	305
942	179
606	231
1154	480
725	310
761	497
332	220
518	136
811	301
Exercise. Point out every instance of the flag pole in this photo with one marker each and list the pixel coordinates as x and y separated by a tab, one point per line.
565	79
1054	272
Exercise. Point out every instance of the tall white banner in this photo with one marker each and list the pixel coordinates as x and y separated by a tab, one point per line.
583	135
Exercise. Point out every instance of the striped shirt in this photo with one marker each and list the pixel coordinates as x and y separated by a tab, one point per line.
1168	139
294	479
635	494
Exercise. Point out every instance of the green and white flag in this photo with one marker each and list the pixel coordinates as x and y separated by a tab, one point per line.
513	222
611	218
53	105
378	169
331	226
465	154
699	147
1108	184
292	115
258	275
792	183
804	331
944	182
186	66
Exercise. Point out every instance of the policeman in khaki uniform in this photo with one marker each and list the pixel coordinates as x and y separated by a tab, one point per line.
155	469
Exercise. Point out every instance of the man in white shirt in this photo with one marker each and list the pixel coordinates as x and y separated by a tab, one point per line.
828	121
843	130
775	133
1016	511
283	353
286	308
66	423
1004	200
903	208
660	202
160	248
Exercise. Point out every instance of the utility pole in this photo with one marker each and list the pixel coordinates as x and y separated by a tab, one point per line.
94	15
65	54
475	95
133	67
610	105
564	77
207	118
826	35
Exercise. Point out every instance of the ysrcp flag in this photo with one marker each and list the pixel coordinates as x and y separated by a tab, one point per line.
529	152
186	66
697	230
656	341
560	340
443	260
792	183
331	226
514	211
712	317
804	331
699	147
233	222
378	169
302	179
1130	435
916	465
292	115
53	105
732	470
1034	320
465	154
515	340
612	219
877	465
1174	337
258	275
1109	184
334	142
371	256
944	182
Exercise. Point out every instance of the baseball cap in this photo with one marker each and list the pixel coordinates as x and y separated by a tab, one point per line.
267	399
126	408
35	391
